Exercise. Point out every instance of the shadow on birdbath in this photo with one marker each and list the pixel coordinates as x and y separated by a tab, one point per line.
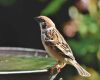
24	64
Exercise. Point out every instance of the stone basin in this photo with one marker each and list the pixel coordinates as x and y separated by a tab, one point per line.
15	64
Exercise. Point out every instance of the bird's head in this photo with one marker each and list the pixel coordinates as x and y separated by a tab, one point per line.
44	22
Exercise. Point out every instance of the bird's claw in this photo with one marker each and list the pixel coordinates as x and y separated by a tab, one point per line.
55	70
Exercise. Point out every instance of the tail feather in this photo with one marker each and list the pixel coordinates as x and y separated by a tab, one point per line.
80	70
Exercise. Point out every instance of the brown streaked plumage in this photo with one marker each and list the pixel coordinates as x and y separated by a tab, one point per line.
56	46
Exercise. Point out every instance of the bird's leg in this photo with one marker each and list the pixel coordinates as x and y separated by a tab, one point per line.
57	67
54	69
60	66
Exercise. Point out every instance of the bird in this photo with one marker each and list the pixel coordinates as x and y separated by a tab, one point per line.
56	46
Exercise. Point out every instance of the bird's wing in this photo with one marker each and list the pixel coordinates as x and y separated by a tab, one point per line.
66	51
56	40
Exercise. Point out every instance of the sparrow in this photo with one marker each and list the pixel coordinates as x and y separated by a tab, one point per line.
56	46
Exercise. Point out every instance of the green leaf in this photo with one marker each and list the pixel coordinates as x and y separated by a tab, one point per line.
52	7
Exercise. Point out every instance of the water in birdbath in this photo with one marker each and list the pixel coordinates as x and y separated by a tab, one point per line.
22	63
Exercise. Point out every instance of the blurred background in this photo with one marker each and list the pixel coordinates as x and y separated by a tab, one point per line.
77	20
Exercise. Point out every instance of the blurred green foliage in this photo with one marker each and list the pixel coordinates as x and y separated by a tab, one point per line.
52	7
89	36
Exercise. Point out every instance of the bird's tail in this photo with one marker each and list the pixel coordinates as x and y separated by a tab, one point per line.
80	70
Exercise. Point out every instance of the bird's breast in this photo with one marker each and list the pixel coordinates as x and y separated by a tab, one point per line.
52	51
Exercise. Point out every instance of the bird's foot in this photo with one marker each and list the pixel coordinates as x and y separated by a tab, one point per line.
55	69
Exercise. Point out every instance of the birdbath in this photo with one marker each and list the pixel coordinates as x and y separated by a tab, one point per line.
24	64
